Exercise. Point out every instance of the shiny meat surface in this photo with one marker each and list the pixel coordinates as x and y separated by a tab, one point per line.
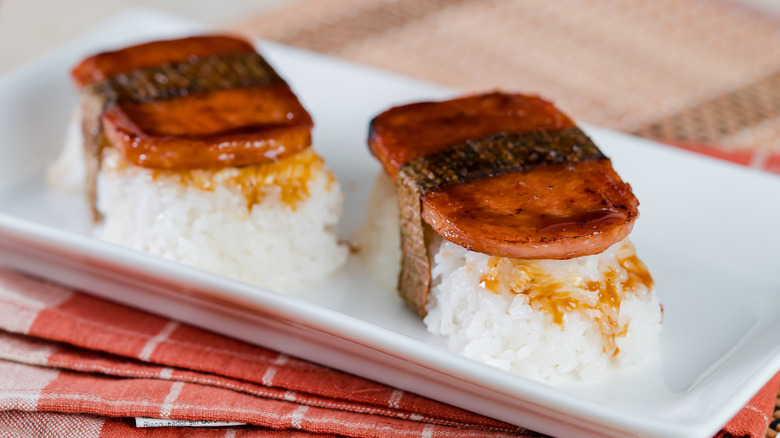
232	127
199	102
404	133
556	211
552	212
104	65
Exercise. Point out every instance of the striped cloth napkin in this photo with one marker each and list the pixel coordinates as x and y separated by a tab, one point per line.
73	365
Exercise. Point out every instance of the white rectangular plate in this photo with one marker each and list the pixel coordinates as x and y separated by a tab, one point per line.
708	231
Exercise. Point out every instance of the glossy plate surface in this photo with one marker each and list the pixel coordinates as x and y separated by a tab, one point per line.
708	231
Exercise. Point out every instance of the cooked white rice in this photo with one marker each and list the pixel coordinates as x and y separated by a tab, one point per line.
538	318
236	222
273	225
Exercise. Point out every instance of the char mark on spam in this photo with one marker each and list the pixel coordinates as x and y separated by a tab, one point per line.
496	155
171	80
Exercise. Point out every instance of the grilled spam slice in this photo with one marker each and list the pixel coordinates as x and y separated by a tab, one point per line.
529	183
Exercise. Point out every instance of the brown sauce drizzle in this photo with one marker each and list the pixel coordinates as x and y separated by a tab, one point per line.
288	176
558	296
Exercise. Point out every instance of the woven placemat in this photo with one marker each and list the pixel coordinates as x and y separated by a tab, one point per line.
695	71
774	426
686	71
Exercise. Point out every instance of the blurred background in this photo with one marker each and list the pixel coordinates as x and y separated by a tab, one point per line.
703	74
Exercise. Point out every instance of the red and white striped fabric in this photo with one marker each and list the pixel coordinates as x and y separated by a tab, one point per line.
64	352
753	419
72	365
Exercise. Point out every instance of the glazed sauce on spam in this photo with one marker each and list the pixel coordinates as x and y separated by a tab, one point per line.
558	296
551	212
230	127
103	65
579	222
432	126
179	116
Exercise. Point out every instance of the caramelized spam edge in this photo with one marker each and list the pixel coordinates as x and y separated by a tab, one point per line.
256	134
213	112
252	143
561	216
434	125
254	146
105	64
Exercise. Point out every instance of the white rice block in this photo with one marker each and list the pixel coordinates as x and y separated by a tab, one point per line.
229	221
503	326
